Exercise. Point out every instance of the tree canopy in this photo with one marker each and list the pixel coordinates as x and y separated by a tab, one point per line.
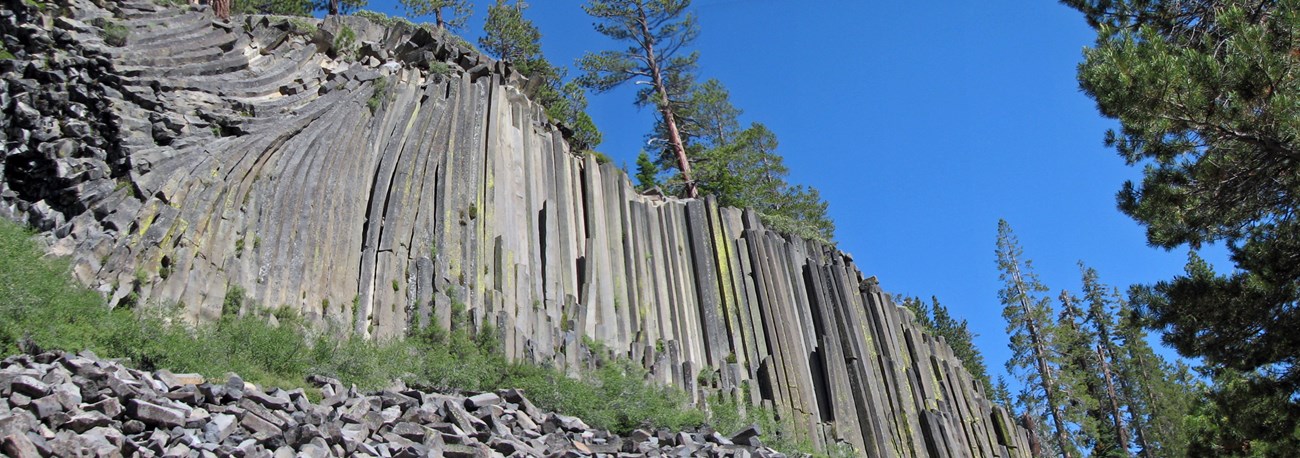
1207	97
656	33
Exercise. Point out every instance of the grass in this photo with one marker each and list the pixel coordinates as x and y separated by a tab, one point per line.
42	309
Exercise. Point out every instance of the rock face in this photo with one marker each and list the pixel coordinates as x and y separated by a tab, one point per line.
188	417
378	177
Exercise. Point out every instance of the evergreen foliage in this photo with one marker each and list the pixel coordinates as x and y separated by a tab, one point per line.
647	172
448	14
656	33
295	7
1111	394
1081	389
742	167
1158	396
1208	99
1031	328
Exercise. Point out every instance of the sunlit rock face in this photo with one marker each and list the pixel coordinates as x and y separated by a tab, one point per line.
377	178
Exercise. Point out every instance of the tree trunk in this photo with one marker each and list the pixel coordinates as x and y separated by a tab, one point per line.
437	16
221	8
1121	434
674	137
1035	447
334	7
1040	357
1138	424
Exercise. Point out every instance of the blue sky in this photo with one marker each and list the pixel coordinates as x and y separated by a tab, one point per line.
922	123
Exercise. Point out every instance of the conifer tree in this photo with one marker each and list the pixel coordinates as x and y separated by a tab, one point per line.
1101	313
1001	395
1029	324
657	31
1158	396
1084	389
1207	94
647	172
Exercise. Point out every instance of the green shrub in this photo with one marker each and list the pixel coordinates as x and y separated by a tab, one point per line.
377	98
383	19
280	7
601	158
437	67
5	54
233	302
113	33
345	42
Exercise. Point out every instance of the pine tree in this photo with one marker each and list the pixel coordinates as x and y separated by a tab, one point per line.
1101	313
569	107
1083	388
1001	395
1029	324
509	36
1207	94
658	31
292	7
647	172
1158	396
747	172
448	14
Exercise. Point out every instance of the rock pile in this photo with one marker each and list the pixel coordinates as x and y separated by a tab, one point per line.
77	405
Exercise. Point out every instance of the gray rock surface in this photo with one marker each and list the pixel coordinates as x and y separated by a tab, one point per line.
348	181
416	424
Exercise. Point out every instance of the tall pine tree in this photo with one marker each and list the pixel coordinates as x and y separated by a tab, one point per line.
1101	324
1030	326
656	33
1158	395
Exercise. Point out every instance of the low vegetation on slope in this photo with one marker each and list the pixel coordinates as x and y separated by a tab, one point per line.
41	309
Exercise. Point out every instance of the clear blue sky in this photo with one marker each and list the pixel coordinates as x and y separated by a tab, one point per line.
922	123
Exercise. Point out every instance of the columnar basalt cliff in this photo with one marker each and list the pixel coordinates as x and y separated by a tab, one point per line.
376	177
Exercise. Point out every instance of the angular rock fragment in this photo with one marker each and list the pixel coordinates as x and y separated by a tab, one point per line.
155	414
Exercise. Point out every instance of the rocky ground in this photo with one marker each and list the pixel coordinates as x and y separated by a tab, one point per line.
58	404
